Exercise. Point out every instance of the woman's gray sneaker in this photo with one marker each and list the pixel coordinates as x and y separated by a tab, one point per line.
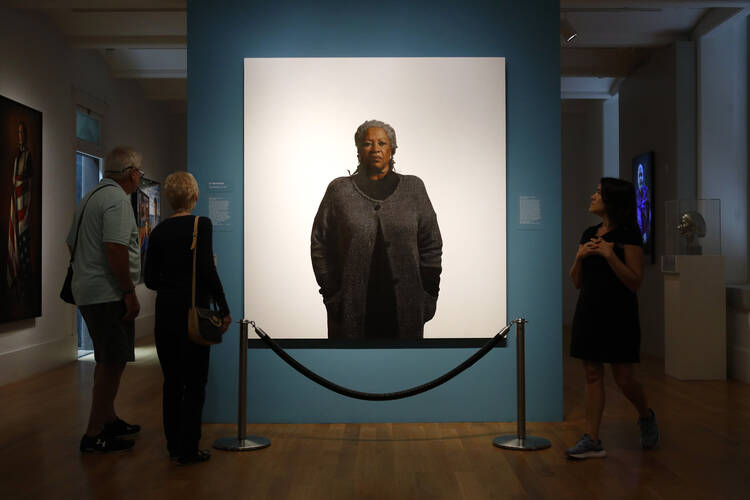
649	431
587	448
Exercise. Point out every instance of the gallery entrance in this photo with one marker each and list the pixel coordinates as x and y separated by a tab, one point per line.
88	175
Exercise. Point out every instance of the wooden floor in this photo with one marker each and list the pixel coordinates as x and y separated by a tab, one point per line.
704	453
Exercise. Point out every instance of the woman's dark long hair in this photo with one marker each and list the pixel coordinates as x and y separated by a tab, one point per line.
619	202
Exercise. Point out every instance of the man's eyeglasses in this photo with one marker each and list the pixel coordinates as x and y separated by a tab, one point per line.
140	172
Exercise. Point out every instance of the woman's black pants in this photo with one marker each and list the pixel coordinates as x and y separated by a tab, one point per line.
185	368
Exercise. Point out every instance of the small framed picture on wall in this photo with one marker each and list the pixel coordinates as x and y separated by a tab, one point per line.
147	207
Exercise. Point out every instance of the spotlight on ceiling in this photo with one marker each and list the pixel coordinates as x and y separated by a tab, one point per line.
567	31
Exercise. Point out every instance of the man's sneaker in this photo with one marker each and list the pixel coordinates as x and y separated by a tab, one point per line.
104	444
649	431
120	428
586	448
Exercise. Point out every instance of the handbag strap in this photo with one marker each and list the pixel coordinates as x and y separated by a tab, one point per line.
80	220
194	248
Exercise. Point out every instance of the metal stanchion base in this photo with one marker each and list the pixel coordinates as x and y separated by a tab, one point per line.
512	442
247	444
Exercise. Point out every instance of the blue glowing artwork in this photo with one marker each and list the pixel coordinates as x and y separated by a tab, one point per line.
644	195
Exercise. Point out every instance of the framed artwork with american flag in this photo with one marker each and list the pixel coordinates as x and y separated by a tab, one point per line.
20	211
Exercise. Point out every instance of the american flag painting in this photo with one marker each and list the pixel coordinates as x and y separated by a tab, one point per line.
20	210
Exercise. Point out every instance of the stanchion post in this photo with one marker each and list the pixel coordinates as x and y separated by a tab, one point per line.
521	378
242	442
521	441
242	384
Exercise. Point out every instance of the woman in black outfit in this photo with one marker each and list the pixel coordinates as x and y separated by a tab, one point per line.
169	269
606	328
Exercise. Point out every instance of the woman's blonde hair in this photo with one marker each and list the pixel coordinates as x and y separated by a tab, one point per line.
181	190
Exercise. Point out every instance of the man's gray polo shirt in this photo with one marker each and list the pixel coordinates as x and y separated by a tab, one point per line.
108	218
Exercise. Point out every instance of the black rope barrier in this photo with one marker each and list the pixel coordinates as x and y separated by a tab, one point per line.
387	396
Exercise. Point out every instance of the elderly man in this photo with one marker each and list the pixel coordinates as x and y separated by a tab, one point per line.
105	266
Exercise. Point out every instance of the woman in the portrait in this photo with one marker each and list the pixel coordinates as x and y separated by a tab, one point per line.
376	247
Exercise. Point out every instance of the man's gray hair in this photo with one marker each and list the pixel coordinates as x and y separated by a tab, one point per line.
119	161
359	135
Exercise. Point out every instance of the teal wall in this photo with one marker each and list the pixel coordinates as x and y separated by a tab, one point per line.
221	34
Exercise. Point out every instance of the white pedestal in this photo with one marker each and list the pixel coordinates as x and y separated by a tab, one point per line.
738	332
695	345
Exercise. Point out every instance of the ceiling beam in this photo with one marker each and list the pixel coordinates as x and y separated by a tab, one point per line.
150	73
614	89
98	24
625	40
604	5
713	19
603	62
99	5
161	96
127	42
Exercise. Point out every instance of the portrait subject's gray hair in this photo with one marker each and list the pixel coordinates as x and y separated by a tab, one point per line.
359	136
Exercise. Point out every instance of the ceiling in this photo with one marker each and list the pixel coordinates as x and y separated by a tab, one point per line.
615	37
142	40
146	40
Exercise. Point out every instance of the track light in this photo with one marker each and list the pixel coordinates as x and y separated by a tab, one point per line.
567	31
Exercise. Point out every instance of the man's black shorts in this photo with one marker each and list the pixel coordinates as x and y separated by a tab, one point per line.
114	339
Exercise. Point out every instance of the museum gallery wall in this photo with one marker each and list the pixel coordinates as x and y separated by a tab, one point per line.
20	211
300	119
522	33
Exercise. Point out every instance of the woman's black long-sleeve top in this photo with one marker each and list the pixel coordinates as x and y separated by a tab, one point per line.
169	262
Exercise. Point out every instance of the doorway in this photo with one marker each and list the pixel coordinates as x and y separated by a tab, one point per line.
88	175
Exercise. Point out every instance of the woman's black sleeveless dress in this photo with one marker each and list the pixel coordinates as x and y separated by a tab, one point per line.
606	326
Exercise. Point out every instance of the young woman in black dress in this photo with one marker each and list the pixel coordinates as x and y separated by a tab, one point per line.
608	270
169	271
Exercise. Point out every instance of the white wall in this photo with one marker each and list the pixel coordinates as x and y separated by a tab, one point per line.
658	113
40	71
647	123
723	138
582	168
590	151
611	136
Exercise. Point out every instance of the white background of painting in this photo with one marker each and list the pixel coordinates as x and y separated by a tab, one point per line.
300	118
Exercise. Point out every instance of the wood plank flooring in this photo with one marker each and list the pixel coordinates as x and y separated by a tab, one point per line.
704	453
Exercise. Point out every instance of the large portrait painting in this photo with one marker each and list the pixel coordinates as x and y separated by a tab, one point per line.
20	211
375	197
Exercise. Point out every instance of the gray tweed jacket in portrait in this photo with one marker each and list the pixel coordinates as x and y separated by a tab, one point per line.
343	238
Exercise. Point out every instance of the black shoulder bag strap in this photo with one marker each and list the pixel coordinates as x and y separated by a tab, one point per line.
80	219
